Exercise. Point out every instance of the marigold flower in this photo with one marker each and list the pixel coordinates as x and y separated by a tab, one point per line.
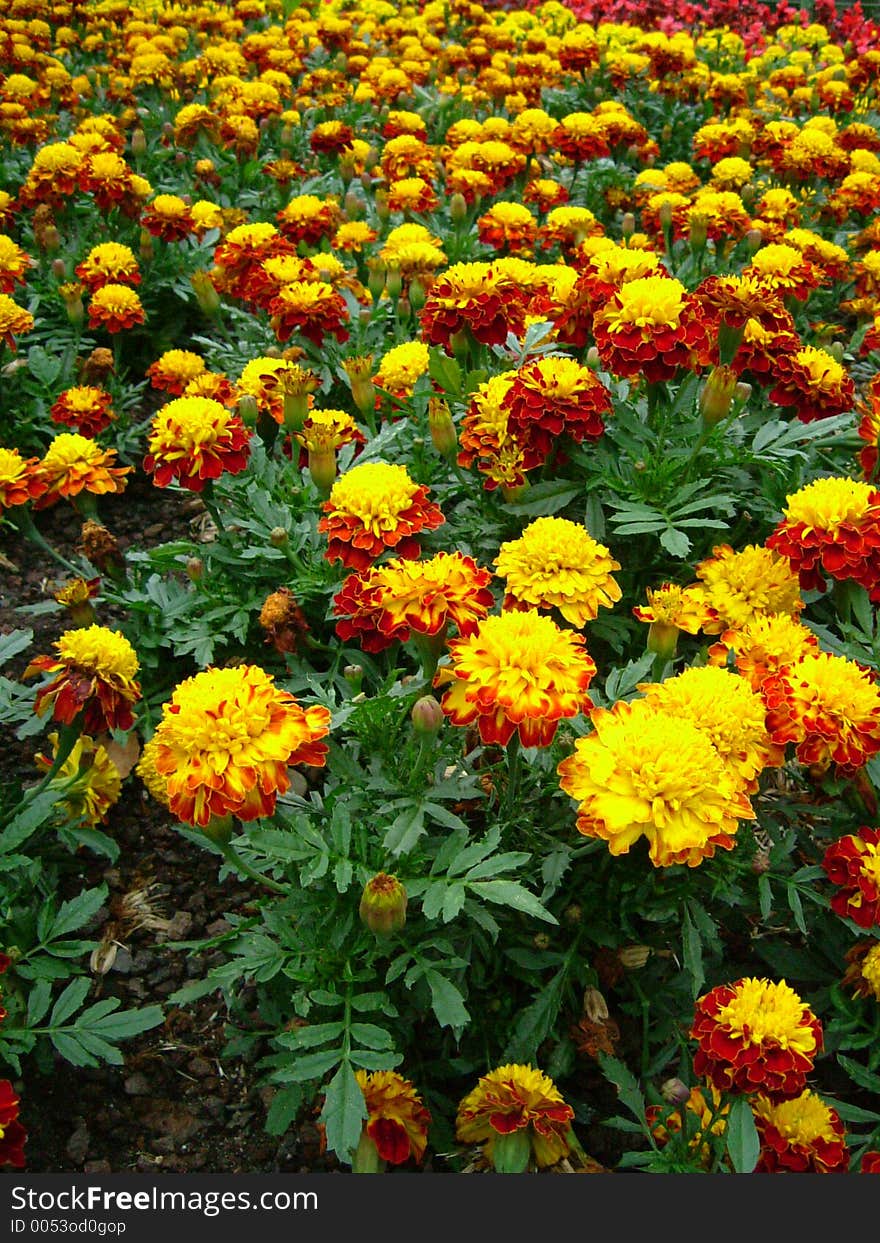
314	308
651	327
784	270
756	1035
869	427
109	263
14	264
800	1136
90	781
173	370
309	219
579	136
392	601
115	307
556	563
631	781
372	507
156	785
412	194
95	673
763	645
568	226
812	383
12	1133
832	526
226	740
239	257
398	1121
168	217
829	707
862	974
20	479
283	620
194	439
86	409
473	296
515	1098
73	464
737	586
553	397
399	369
486	438
853	864
14	320
672	608
508	227
705	1106
517	672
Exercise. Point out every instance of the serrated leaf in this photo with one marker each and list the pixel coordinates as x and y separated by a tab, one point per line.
405	829
282	1111
741	1135
70	1001
692	953
535	1022
676	543
344	1113
39	1000
628	1091
860	1074
29	819
510	893
77	912
312	1036
447	1001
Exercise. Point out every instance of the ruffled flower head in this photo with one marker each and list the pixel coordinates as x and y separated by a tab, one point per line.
650	327
511	1099
832	526
398	1121
73	464
852	863
800	1136
556	563
372	507
738	586
94	672
193	440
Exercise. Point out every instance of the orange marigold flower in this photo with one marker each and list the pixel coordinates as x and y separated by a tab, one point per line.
392	601
670	609
812	383
309	219
756	1035
95	674
763	645
853	864
397	1122
869	429
517	672
109	263
473	296
631	781
14	264
168	217
14	320
508	227
784	270
375	506
20	479
800	1136
650	327
515	1098
556	563
412	194
555	397
115	308
194	439
486	438
86	409
88	781
832	526
74	464
568	226
580	136
226	740
239	257
862	974
313	308
737	586
545	193
173	370
829	707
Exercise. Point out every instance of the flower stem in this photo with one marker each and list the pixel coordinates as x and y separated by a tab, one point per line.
234	859
22	520
67	739
514	767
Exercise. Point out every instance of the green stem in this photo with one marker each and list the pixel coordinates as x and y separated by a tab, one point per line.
234	859
23	522
514	767
67	739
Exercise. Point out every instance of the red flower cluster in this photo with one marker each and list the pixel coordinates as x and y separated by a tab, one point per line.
853	864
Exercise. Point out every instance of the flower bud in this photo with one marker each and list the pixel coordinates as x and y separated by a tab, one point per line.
662	640
717	395
322	469
59	269
835	349
383	211
698	234
354	205
383	905
457	208
138	143
595	1006
376	278
634	957
592	357
248	410
443	433
665	215
278	537
393	282
628	224
427	716
754	240
417	295
146	247
354	675
675	1092
195	568
541	941
742	392
573	914
206	293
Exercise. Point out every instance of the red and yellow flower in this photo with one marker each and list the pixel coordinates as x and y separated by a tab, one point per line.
556	563
650	327
73	464
475	297
398	1121
95	672
852	863
862	974
14	320
812	383
516	673
194	439
803	1135
168	217
109	263
509	227
115	308
14	264
516	1098
372	507
20	479
832	526
764	645
399	598
226	740
486	439
756	1035
88	410
554	397
313	308
12	1133
173	370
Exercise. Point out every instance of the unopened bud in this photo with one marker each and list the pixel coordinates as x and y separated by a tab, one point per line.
50	239
754	240
675	1092
59	269
393	282
403	309
416	294
146	247
354	205
248	410
195	568
322	469
278	537
698	233
634	957
835	349
665	215
595	1006
742	392
443	434
457	208
206	293
376	278
628	224
717	396
354	675
573	914
541	941
383	211
592	358
383	905
138	142
427	716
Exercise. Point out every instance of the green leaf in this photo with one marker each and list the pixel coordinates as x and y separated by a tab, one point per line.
313	1066
77	912
71	1049
285	1106
69	1001
14	642
371	1036
536	1021
125	1024
405	829
310	1037
692	953
39	1000
344	1113
765	896
859	1074
446	1001
628	1091
794	902
511	893
676	543
741	1135
29	819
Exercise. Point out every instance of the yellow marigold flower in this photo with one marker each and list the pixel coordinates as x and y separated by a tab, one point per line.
401	366
73	464
803	1135
672	607
764	644
556	563
95	673
174	369
156	784
353	235
517	672
168	217
731	173
14	264
863	972
115	307
740	585
644	773
20	479
372	507
109	263
829	707
397	1122
14	320
784	270
90	781
832	526
728	711
516	1098
194	439
226	740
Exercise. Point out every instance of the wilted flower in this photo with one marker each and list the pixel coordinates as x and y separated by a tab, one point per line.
756	1035
89	781
283	620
